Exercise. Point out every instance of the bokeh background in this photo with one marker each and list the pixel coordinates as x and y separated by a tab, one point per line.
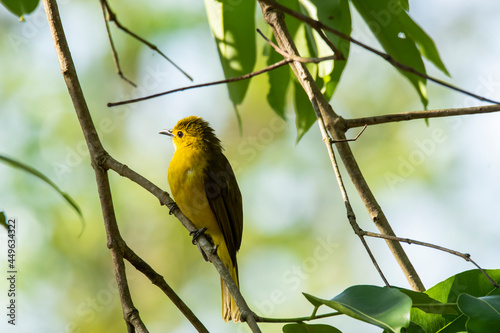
296	237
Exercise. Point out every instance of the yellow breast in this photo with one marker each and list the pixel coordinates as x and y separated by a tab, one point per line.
187	183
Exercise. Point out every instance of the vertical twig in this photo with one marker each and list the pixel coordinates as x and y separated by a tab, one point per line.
96	150
350	212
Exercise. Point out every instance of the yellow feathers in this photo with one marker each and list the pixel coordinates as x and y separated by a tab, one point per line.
205	189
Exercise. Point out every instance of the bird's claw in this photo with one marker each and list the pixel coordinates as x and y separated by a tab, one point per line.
197	234
172	208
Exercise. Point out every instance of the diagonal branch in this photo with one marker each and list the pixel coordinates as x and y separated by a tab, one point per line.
318	25
411	115
333	123
111	17
112	43
160	282
464	256
350	212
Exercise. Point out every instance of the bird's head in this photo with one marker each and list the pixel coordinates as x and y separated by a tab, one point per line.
193	132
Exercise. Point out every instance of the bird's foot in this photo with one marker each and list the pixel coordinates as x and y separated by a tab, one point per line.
172	208
196	234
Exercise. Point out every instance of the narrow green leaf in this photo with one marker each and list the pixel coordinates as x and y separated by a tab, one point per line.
337	15
483	313
309	328
20	7
382	18
304	112
279	80
472	282
387	308
424	42
428	304
3	220
19	165
233	27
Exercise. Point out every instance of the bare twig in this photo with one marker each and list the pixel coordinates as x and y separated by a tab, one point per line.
234	79
113	49
411	115
350	140
464	256
111	17
297	319
350	212
318	25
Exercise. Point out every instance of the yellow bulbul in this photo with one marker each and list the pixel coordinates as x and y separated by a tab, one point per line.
205	190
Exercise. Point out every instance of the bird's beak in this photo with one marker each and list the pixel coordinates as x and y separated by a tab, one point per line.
167	132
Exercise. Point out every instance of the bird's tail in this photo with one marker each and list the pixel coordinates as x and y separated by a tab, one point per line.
229	308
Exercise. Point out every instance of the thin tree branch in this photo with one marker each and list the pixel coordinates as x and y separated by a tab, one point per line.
297	319
234	79
130	313
334	125
412	115
465	256
111	42
318	25
350	212
111	17
160	282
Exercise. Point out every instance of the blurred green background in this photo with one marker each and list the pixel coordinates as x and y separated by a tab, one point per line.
296	235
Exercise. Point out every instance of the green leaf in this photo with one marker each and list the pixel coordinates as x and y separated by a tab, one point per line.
483	313
19	165
382	16
304	112
20	7
3	220
472	282
427	304
337	15
279	80
405	4
307	328
387	308
233	27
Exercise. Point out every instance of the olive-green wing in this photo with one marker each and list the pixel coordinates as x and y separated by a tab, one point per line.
224	196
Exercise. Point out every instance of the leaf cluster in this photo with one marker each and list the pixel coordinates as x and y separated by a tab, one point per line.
466	302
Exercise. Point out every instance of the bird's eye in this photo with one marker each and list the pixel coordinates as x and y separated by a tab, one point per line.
180	134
